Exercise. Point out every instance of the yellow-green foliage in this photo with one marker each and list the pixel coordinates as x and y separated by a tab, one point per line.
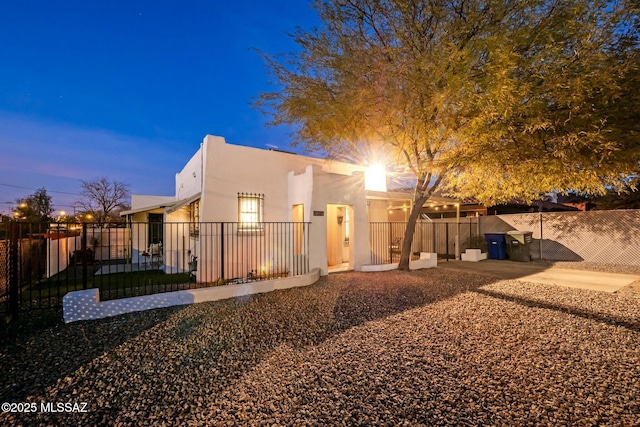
493	99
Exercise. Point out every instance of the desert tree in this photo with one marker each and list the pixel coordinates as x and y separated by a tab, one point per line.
494	99
102	197
36	207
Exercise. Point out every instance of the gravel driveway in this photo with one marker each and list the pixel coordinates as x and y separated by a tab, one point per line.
429	347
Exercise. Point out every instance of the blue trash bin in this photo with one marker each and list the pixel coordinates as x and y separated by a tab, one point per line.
497	245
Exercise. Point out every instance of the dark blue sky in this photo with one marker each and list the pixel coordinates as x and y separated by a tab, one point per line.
128	89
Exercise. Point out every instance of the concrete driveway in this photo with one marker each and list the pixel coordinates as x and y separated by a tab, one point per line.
538	273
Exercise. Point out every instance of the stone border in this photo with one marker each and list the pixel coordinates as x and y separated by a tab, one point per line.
86	305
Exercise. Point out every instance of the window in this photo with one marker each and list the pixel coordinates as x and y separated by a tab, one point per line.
250	211
194	218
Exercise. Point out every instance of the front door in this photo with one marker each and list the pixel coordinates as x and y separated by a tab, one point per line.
155	228
339	236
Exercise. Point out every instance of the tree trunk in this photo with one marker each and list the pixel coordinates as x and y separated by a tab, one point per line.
405	255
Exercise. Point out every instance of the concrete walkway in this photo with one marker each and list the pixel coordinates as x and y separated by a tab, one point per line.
533	272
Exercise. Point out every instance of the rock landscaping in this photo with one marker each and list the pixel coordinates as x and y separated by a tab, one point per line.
425	348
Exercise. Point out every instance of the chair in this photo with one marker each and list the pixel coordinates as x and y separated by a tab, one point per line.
193	268
395	247
153	255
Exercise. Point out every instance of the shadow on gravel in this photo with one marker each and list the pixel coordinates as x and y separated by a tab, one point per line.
392	292
167	366
633	325
38	349
166	358
309	316
232	335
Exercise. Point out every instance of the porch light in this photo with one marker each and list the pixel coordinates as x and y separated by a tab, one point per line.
375	178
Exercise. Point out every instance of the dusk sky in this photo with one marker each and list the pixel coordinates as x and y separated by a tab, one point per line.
128	89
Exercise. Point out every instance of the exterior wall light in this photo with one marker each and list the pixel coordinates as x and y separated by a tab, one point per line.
375	178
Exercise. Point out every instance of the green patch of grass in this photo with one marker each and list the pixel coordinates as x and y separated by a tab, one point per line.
138	283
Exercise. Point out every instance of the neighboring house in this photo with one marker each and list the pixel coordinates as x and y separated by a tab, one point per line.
249	186
579	202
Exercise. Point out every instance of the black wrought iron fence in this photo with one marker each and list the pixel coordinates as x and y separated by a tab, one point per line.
433	237
39	264
233	252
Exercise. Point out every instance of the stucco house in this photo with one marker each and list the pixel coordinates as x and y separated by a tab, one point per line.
253	189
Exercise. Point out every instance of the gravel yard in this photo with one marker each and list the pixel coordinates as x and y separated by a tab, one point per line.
592	266
430	347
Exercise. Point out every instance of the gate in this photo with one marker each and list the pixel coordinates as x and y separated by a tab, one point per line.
23	264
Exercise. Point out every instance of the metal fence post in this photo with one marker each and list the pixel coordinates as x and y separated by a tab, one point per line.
446	238
83	248
541	231
14	270
222	250
433	238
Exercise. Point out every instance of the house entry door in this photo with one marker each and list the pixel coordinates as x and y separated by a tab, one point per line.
339	239
155	228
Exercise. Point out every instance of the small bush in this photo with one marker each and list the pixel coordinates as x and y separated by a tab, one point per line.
477	242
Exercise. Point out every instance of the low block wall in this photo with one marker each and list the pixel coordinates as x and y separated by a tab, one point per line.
473	255
86	305
427	260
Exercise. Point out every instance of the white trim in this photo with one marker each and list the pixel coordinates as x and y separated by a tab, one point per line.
169	207
145	209
181	203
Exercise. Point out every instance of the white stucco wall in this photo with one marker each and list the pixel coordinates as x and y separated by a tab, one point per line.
332	189
59	253
378	211
285	180
178	241
300	189
219	171
189	179
232	169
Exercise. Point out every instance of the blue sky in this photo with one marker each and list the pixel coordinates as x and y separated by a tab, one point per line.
128	89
